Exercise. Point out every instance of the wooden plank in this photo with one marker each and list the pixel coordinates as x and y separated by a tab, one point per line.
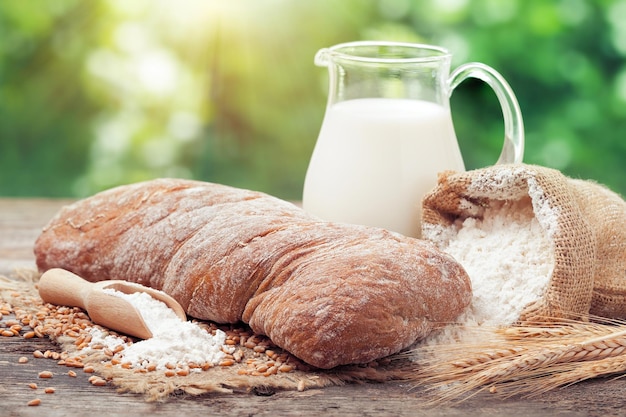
20	223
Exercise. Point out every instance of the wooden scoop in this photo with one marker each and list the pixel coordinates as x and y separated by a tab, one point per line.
61	287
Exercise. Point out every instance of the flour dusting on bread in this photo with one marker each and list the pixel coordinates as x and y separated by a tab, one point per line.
329	293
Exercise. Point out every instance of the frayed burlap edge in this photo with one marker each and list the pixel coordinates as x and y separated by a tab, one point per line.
155	386
225	380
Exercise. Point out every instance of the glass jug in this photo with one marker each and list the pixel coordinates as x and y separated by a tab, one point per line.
387	132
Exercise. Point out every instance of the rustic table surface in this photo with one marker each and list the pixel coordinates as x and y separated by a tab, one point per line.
20	223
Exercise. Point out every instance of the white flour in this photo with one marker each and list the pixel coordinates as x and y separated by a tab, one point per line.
173	341
509	259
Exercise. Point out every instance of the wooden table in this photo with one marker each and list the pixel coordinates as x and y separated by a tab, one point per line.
20	223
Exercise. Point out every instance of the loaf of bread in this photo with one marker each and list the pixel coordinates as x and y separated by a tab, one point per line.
329	293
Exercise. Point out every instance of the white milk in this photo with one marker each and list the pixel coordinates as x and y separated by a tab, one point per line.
376	158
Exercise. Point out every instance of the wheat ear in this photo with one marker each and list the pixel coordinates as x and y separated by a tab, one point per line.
546	358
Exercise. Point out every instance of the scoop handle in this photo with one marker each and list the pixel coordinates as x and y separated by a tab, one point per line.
61	287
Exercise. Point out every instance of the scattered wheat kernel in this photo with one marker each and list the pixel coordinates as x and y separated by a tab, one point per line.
273	370
29	335
71	373
88	370
22	359
34	403
7	333
75	363
285	368
45	374
32	385
493	389
49	390
170	372
301	385
227	362
99	382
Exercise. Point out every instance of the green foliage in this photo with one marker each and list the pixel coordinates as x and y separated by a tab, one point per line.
43	109
100	93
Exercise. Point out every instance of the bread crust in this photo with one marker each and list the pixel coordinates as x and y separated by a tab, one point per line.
329	293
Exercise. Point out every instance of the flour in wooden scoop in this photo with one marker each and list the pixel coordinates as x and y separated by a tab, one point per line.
173	342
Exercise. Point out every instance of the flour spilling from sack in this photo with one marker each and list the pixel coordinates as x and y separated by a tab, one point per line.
174	342
509	258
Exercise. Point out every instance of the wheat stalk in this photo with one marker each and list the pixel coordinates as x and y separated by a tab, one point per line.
541	381
523	360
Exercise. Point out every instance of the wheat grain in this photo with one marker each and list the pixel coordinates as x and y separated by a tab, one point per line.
523	360
543	380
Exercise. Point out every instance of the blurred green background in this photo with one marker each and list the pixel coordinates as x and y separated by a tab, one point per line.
99	93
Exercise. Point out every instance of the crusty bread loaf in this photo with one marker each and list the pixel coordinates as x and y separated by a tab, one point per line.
329	293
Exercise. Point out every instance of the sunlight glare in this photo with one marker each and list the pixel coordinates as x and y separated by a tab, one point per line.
157	70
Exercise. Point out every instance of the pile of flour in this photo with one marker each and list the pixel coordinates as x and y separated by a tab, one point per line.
173	342
509	259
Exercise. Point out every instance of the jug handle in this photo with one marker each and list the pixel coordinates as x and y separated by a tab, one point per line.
513	147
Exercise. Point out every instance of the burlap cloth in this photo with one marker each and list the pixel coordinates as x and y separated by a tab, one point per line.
585	221
19	290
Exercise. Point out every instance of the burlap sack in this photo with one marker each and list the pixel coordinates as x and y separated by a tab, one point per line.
585	221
